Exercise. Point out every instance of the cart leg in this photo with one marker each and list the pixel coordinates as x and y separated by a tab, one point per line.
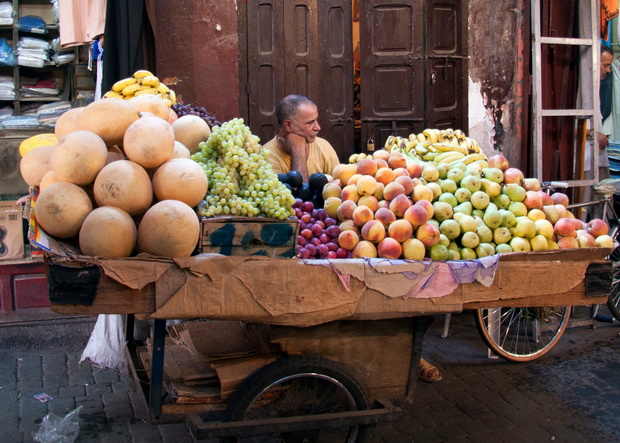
157	368
420	326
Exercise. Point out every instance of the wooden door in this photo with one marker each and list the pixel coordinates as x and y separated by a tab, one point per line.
302	47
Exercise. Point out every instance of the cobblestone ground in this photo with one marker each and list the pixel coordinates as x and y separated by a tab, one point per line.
572	394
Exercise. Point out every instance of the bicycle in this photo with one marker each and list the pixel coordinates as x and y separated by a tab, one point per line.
525	334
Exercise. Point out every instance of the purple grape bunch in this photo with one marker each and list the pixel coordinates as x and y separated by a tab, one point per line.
182	109
318	233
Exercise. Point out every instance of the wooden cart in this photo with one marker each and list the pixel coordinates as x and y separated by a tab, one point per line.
309	303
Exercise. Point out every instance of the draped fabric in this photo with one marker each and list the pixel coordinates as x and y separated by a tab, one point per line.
129	40
80	21
609	11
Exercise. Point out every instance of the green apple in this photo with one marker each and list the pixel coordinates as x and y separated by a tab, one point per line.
462	195
479	200
485	234
470	240
503	248
514	191
493	219
502	201
518	209
448	185
443	211
468	254
438	252
525	227
472	183
501	235
467	223
519	244
484	250
464	208
448	197
456	174
450	228
495	175
508	218
491	188
539	243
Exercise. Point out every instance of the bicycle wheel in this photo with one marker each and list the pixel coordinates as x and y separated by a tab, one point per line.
613	302
297	387
522	334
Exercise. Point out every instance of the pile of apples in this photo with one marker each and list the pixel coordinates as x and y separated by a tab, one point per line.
388	206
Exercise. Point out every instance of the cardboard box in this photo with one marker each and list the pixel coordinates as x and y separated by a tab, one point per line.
246	236
11	231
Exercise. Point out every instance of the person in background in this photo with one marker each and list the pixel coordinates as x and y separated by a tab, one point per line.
297	146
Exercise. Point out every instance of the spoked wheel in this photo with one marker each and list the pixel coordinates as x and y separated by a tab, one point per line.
613	302
522	334
298	387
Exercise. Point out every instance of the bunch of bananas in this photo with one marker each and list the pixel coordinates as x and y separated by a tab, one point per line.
142	82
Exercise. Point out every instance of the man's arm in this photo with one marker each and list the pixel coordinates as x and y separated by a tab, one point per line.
297	147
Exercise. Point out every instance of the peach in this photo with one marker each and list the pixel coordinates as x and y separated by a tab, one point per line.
370	201
546	198
597	227
385	216
426	204
428	234
381	154
354	178
565	227
366	166
413	249
346	172
585	240
331	206
422	192
364	249
385	175
389	248
567	242
348	239
336	171
381	163
345	210
401	172
373	231
383	204
400	204
406	182
366	185
562	211
331	190
349	192
559	198
532	200
400	230
397	160
348	225
498	161
513	175
362	214
393	189
417	215
415	169
379	192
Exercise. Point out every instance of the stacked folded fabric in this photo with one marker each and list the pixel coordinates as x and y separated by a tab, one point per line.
613	152
33	52
39	88
7	88
6	13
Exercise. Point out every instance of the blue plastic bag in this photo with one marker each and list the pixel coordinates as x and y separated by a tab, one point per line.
7	57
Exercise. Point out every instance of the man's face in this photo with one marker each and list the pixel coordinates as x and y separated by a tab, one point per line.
606	60
305	123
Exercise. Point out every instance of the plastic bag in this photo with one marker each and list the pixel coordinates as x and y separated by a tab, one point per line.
106	345
55	429
7	57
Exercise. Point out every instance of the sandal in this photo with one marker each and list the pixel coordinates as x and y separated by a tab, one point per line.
428	372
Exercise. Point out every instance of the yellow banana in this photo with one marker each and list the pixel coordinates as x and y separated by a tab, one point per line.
459	134
151	81
410	144
413	137
473	157
142	73
443	147
112	94
448	132
421	137
430	135
131	89
438	134
389	141
151	91
122	84
163	88
420	149
482	163
429	156
172	97
448	157
353	158
474	145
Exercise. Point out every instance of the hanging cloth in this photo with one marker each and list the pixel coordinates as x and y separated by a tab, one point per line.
80	21
609	11
129	41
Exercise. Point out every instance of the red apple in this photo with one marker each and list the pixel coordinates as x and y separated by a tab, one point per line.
532	200
559	198
513	175
546	198
568	242
565	227
498	161
597	227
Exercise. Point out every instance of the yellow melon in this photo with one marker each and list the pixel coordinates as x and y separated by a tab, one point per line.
172	116
191	130
180	179
48	179
180	151
108	118
67	122
35	164
115	153
125	185
152	104
169	228
149	141
61	208
108	232
36	141
79	157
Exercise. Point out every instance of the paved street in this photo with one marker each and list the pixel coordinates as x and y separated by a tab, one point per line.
572	394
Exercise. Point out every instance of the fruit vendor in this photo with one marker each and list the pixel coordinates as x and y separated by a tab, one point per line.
296	146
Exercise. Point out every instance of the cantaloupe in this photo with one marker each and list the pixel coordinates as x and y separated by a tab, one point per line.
115	153
180	151
61	208
35	163
172	116
67	122
108	232
180	179
151	103
36	141
125	185
149	141
108	118
79	157
48	179
191	130
169	228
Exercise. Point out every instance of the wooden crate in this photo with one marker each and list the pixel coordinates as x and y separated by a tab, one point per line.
249	236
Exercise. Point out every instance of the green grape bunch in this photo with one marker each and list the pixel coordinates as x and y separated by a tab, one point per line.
241	181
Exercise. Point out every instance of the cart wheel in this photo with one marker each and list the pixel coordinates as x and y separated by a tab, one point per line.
296	387
613	302
522	334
